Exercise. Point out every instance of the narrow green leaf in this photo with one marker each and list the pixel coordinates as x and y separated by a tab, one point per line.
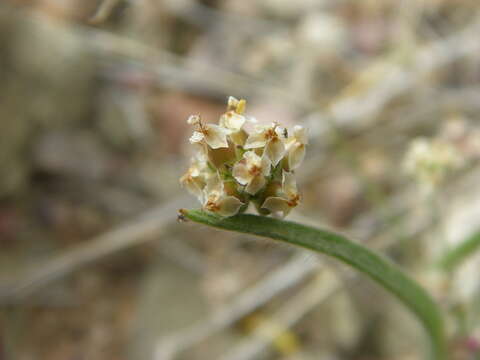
458	254
359	257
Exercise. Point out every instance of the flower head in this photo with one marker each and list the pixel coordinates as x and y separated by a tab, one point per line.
216	200
286	199
429	161
235	166
296	147
232	121
196	177
214	136
251	171
271	138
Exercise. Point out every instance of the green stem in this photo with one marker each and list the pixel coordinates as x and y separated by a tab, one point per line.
359	257
458	254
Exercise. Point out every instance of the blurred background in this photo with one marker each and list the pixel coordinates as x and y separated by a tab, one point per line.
94	97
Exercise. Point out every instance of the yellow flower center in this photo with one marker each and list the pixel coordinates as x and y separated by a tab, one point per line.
270	134
254	170
293	201
212	205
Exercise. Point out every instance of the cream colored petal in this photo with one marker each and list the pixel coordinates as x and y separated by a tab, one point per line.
229	206
211	201
214	185
196	137
238	137
300	134
241	105
277	205
241	174
296	155
216	136
232	121
266	165
198	164
200	148
232	102
275	150
255	140
255	184
289	184
194	171
252	159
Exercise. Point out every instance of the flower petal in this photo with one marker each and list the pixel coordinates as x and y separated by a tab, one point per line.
255	140
232	102
252	159
240	173
214	186
255	184
193	185
215	136
196	137
229	206
300	134
238	137
277	205
240	108
289	184
296	154
275	150
266	165
232	121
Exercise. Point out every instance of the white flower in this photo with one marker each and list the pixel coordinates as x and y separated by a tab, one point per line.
272	138
232	121
296	147
430	161
251	171
216	200
196	176
214	136
288	198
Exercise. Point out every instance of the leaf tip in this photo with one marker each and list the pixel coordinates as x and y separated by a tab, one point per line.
182	215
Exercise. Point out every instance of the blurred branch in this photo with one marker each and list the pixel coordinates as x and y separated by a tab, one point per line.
283	278
318	290
356	111
104	11
206	17
177	72
137	231
359	111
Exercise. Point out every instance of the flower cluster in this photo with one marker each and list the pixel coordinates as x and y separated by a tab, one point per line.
429	161
233	167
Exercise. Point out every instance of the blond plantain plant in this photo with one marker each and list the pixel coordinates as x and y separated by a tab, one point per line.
234	167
